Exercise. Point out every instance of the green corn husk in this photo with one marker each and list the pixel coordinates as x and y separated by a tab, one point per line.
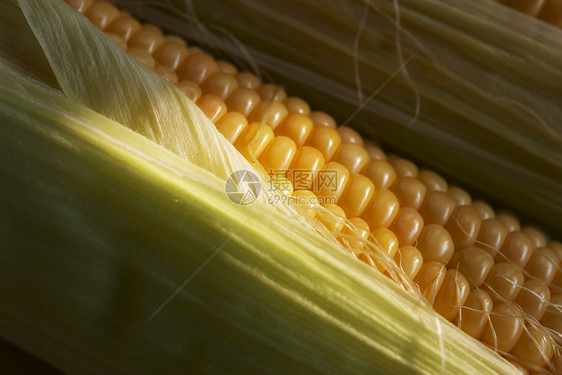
484	78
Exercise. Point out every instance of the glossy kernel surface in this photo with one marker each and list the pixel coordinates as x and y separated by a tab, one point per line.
232	125
374	151
213	107
383	209
125	27
381	173
504	329
226	67
504	282
142	56
171	54
544	264
304	168
331	180
273	92
410	260
437	207
517	249
332	217
492	236
432	180
484	209
348	135
269	112
147	39
248	80
538	237
220	84
509	220
464	225
404	167
473	317
474	263
197	67
297	127
460	196
534	346
297	105
353	156
243	100
357	233
410	192
278	155
553	316
435	244
118	39
407	226
357	195
320	118
325	139
254	140
452	295
80	5
534	298
167	73
190	89
430	279
386	240
101	14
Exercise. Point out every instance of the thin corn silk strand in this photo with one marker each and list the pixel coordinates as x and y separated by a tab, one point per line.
485	75
293	268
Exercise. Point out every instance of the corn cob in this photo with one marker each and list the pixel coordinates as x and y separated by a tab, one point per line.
439	241
290	132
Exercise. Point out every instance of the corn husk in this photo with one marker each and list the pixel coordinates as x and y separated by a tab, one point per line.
121	252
